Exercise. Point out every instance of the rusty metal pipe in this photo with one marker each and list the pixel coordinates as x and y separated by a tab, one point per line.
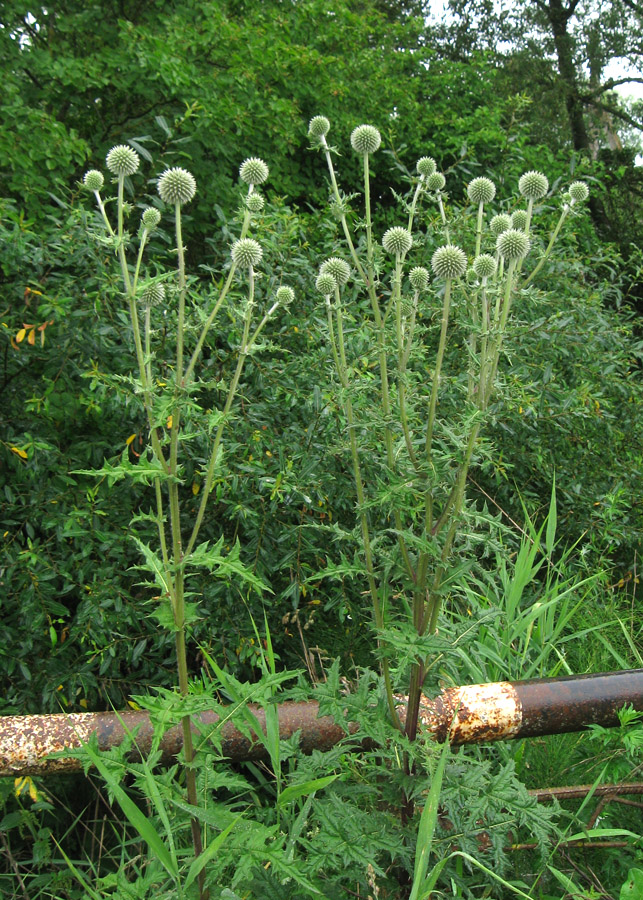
473	713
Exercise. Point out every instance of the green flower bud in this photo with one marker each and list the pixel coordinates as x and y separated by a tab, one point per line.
255	203
94	180
512	244
253	171
338	268
481	190
449	262
578	191
285	295
122	160
153	295
150	218
397	240
419	278
325	283
176	186
318	127
246	253
500	223
519	219
365	139
426	166
485	266
533	185
436	182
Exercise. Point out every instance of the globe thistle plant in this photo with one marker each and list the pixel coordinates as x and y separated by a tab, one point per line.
578	191
435	182
338	268
365	139
325	283
519	219
255	203
449	262
512	245
150	218
533	185
485	266
285	295
426	166
397	240
176	186
481	190
318	127
246	253
122	160
253	171
419	278
93	180
500	223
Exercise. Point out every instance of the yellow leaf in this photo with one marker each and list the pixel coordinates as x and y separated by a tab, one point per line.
83	703
133	704
33	793
21	335
130	439
19	452
169	421
195	488
32	337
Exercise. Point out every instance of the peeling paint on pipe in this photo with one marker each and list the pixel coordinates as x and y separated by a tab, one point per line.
474	713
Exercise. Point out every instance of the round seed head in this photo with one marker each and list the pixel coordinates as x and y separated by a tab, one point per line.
285	295
397	240
365	139
449	262
255	203
150	218
485	266
153	295
512	244
533	185
325	283
338	268
519	219
419	278
176	186
426	166
246	253
253	171
481	190
500	223
436	181
93	180
319	126
122	160
578	191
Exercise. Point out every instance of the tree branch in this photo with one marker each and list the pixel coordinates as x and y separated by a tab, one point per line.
608	86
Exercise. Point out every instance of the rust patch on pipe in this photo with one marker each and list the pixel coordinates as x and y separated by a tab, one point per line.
474	713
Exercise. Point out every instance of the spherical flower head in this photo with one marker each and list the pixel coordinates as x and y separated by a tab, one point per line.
426	166
449	262
512	244
365	139
519	219
285	295
338	268
246	253
318	127
122	160
419	278
578	191
176	186
150	218
94	180
397	240
533	185
153	295
254	202
253	171
485	266
436	181
500	223
325	283
481	190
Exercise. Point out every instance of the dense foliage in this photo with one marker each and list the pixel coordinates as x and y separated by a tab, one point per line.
203	86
